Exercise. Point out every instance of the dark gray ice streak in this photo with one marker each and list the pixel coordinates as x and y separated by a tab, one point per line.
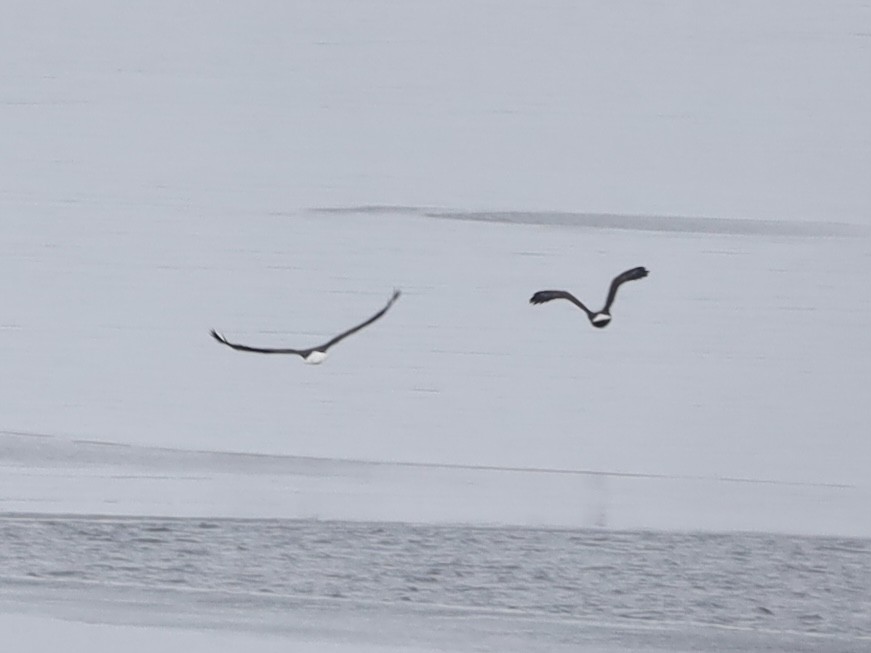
660	223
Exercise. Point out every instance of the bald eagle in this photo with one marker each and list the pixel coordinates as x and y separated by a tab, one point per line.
314	355
598	319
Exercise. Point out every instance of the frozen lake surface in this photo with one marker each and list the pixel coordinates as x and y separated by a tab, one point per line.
728	393
274	170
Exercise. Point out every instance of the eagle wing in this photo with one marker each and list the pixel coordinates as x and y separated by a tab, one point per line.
543	296
629	275
258	350
362	325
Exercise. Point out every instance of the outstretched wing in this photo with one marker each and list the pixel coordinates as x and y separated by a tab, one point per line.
362	325
543	296
258	350
629	275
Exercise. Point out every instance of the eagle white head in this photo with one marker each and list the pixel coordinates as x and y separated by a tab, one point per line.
316	357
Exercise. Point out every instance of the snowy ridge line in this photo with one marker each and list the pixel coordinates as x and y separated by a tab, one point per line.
295	460
442	609
631	222
590	472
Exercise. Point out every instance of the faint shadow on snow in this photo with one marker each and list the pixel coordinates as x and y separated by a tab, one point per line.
45	473
675	224
44	450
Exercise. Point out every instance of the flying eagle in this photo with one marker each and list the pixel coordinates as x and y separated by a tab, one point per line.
598	319
314	355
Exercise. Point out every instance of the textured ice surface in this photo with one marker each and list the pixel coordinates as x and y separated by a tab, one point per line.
454	587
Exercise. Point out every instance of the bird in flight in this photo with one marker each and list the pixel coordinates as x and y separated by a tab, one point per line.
314	355
598	319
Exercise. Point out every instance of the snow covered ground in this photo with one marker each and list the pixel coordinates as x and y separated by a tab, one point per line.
275	170
41	633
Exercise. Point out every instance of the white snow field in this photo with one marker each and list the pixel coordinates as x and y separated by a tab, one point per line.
274	169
